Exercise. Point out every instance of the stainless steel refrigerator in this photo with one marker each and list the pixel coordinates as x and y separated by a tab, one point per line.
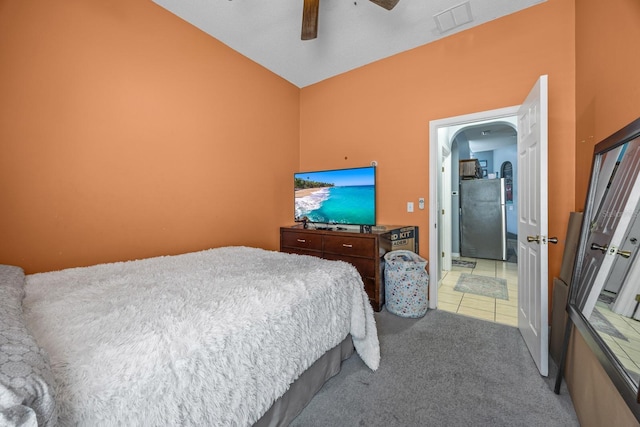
483	220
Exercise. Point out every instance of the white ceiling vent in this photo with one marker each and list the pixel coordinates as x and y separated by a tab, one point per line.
453	17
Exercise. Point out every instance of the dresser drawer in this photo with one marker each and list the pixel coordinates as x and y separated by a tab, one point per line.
358	249
365	266
349	245
302	252
301	240
370	289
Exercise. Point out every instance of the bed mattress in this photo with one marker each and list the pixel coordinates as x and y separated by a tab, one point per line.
207	338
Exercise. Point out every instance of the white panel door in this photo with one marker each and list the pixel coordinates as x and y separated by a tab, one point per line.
610	222
533	225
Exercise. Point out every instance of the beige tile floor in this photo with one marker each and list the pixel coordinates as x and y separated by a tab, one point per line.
491	309
627	351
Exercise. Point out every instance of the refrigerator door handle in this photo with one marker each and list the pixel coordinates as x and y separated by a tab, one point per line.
503	210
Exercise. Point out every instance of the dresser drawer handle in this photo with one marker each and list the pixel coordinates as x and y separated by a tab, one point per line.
347	245
301	240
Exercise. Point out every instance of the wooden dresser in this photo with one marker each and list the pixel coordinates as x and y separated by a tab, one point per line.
363	250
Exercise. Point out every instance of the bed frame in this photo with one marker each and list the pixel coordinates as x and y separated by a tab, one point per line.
291	404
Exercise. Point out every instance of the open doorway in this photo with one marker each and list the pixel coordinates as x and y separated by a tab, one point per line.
490	148
533	255
490	138
482	280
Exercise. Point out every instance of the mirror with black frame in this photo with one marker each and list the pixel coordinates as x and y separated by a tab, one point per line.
605	291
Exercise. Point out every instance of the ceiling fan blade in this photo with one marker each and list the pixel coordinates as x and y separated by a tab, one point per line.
387	4
310	19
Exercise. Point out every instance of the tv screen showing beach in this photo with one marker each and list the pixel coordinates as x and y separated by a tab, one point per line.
344	196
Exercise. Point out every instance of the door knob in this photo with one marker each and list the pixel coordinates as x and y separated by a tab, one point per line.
601	248
553	240
533	239
624	254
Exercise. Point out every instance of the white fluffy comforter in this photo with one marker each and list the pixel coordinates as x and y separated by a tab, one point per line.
206	338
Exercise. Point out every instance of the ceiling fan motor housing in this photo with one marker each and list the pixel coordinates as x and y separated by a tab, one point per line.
310	16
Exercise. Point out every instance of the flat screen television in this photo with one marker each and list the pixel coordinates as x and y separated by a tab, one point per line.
339	196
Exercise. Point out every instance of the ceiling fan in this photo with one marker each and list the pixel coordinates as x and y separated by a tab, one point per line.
310	16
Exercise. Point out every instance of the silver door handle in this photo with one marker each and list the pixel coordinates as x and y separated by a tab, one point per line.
537	239
624	254
600	248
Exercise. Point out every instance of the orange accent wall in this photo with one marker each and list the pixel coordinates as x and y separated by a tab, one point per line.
607	98
607	83
382	111
126	132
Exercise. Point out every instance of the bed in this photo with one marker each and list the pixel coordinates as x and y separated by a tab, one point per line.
226	336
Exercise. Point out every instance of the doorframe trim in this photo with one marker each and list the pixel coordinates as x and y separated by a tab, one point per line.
437	138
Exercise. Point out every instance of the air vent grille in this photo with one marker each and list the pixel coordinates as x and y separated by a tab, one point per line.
453	17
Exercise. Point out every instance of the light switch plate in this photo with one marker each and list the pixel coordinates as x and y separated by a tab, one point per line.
409	206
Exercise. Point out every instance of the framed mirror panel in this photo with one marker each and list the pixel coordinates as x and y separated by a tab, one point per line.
604	294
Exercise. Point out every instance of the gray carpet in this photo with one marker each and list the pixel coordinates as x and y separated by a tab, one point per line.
442	370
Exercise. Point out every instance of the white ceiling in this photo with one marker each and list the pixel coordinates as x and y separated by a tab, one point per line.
490	136
351	33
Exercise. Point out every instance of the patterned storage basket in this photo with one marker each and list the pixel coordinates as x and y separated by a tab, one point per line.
406	283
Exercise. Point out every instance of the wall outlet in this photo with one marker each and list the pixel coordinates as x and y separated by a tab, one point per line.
421	203
409	206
